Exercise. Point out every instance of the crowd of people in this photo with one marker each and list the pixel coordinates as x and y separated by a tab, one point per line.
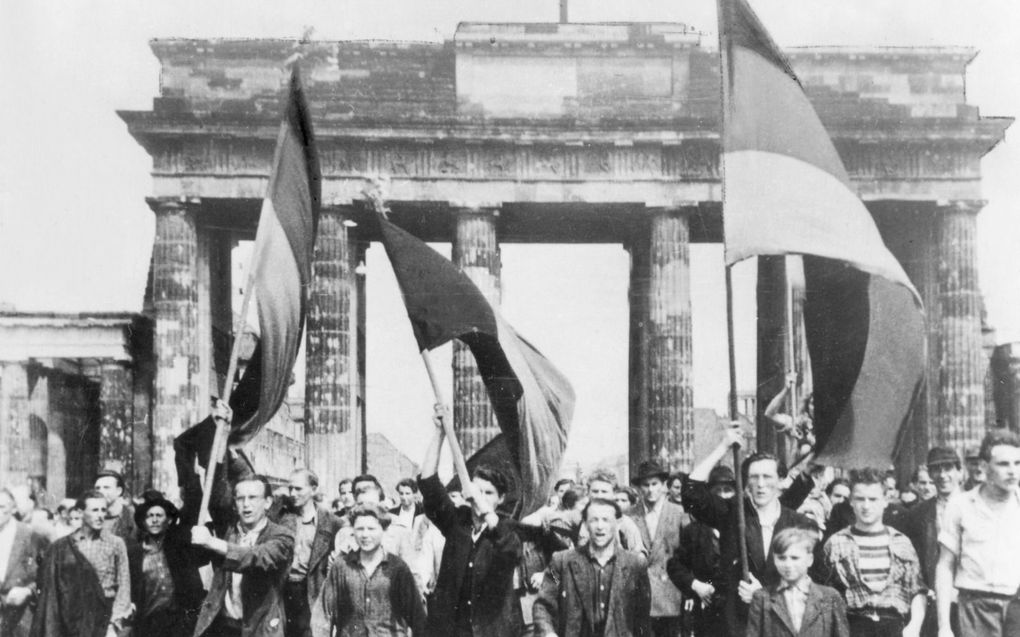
817	555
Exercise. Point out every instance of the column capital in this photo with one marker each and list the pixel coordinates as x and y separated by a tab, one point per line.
481	209
966	206
170	204
679	208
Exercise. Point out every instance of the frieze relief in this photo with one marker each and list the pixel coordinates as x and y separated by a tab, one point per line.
696	160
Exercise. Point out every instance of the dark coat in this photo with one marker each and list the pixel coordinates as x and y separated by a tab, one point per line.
71	601
487	566
721	514
326	527
667	600
919	525
264	567
564	604
23	567
824	614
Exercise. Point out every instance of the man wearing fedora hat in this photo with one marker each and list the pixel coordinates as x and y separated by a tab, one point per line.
660	522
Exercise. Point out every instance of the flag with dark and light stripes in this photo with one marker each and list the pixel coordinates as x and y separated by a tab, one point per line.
533	402
786	191
282	262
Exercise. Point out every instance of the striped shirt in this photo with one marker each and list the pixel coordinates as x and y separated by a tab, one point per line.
874	561
843	567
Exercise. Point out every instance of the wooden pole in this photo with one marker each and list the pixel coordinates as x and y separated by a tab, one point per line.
459	464
737	473
786	455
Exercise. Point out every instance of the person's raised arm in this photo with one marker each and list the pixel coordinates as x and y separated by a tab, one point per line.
430	464
731	436
776	403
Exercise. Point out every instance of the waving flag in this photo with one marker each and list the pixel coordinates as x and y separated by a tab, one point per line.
532	400
281	263
786	191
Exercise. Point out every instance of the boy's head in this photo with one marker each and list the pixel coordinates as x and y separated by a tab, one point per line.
793	552
368	522
490	485
867	497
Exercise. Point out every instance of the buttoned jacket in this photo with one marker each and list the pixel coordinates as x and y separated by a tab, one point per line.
824	614
26	558
667	601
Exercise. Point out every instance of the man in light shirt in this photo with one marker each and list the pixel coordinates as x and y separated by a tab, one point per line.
980	553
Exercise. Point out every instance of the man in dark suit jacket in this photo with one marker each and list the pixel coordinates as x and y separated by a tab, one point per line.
21	555
245	598
598	590
314	529
474	594
764	516
922	523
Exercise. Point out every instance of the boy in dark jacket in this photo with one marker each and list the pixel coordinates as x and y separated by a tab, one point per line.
796	606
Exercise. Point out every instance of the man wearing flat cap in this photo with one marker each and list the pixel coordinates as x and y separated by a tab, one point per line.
923	522
660	522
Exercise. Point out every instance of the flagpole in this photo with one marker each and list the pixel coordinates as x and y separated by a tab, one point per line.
791	371
459	464
724	78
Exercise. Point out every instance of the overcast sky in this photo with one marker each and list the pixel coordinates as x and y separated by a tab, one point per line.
76	235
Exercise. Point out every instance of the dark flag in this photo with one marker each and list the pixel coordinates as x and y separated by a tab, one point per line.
532	400
786	191
281	262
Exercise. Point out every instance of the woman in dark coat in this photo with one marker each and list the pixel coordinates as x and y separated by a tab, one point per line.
170	594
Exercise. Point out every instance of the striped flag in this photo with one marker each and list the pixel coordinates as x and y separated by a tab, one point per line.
532	400
786	191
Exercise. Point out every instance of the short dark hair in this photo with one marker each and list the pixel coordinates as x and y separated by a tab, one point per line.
340	485
673	477
495	478
603	475
561	482
836	482
367	477
267	489
569	499
996	438
632	495
110	473
757	456
370	511
311	479
867	475
791	536
91	494
601	502
410	483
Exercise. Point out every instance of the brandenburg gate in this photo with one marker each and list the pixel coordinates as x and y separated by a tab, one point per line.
542	133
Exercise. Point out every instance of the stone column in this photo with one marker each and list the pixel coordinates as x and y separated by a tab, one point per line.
476	253
333	435
960	416
15	416
116	420
175	301
661	402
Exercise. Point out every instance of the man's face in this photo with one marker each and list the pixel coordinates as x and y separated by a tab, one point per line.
840	493
94	513
652	489
1002	470
600	489
368	533
75	518
793	565
724	490
347	494
485	490
251	502
674	491
602	524
763	482
975	470
946	476
368	496
107	485
7	509
156	520
623	500
367	485
868	502
925	485
406	495
563	488
299	491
